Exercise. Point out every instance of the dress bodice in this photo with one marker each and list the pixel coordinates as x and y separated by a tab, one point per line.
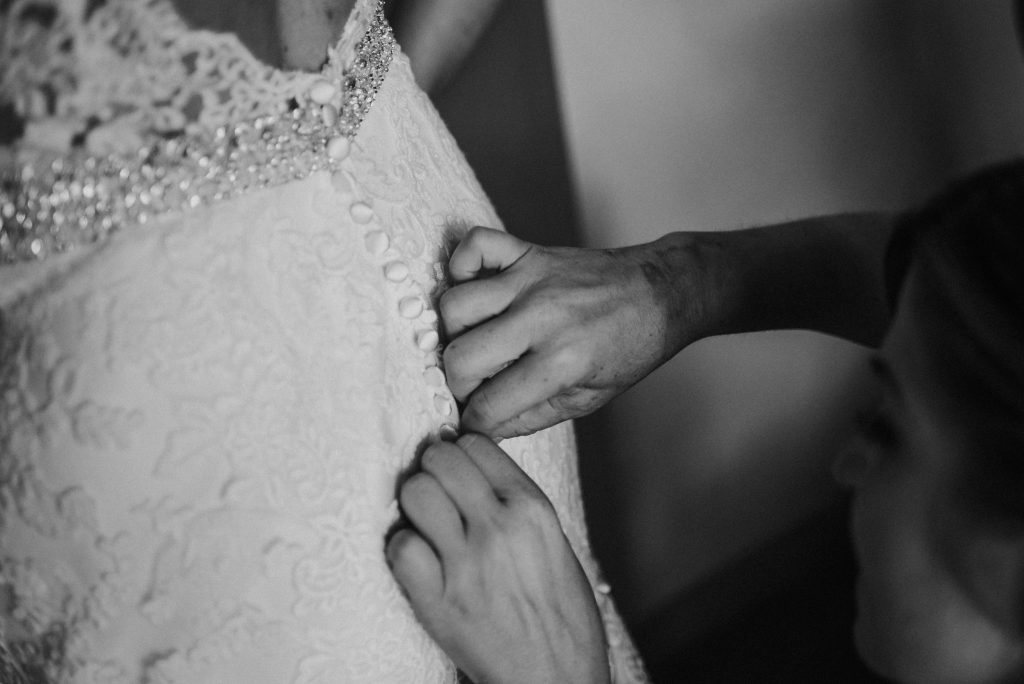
219	353
114	73
126	114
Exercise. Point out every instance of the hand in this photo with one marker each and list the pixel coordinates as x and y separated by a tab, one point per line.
490	574
538	335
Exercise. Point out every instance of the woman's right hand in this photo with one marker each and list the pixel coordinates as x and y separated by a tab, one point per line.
539	335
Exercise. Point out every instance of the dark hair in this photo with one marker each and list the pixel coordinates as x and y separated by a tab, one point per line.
968	246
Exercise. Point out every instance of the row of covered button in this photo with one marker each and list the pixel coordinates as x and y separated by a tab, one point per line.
378	244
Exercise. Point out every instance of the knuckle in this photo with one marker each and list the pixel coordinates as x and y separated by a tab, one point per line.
477	233
471	441
532	511
569	363
477	416
433	454
513	427
463	596
438	458
575	402
486	407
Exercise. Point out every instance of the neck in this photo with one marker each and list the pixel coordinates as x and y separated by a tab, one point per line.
290	34
306	28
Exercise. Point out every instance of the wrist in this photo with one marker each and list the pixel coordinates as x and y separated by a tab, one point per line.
693	277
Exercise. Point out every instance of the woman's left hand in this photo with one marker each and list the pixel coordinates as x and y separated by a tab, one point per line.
490	574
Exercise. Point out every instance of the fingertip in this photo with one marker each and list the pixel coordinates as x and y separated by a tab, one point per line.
453	365
434	453
394	545
413	491
447	307
484	249
472	421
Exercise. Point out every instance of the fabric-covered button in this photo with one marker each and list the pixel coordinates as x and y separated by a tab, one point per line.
396	271
429	317
449	433
427	340
338	148
443	406
322	92
433	376
329	115
410	307
377	242
361	212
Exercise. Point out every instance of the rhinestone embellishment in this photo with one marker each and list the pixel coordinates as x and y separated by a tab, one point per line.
81	199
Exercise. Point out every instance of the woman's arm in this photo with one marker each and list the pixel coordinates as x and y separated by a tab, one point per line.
539	335
824	274
437	35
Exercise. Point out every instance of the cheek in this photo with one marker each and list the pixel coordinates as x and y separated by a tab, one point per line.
853	465
897	626
901	630
914	622
928	633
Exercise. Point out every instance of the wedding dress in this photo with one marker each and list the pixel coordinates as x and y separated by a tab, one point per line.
219	352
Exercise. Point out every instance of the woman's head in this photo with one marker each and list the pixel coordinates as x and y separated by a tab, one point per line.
938	467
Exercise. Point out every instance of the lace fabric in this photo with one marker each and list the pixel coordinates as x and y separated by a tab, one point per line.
203	419
121	72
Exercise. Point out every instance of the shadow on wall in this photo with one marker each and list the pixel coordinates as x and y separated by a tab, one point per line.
720	114
715	114
504	112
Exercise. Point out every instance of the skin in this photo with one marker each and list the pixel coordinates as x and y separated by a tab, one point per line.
490	574
539	335
941	590
437	35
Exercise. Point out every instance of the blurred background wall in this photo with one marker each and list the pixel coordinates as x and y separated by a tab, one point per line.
713	114
605	123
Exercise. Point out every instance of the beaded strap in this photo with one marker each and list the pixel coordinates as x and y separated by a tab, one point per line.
80	199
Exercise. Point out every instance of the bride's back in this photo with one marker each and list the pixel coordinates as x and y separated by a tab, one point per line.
219	352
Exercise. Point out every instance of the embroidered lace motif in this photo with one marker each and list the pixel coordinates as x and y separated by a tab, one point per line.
80	198
202	422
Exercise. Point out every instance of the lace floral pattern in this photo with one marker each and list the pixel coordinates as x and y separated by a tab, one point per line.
202	423
123	71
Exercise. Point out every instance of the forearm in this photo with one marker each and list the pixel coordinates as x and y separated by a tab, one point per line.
824	274
437	35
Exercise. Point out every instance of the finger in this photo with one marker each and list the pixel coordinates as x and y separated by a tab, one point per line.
501	471
463	482
536	418
416	568
484	350
474	302
529	381
432	512
483	250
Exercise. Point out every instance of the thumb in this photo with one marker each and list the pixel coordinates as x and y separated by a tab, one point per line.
485	250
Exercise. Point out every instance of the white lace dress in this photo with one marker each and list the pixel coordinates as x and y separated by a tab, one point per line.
219	352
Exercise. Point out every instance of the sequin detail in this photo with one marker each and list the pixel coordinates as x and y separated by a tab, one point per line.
81	199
